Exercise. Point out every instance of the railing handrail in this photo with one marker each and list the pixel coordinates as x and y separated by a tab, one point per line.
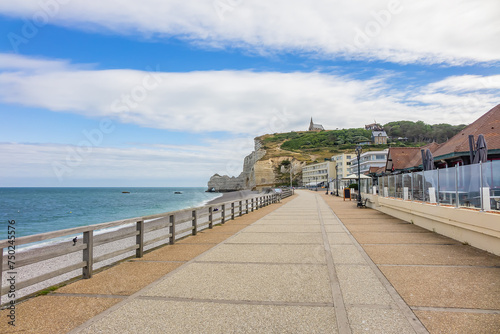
228	212
81	229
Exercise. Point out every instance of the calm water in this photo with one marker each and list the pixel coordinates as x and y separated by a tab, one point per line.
38	210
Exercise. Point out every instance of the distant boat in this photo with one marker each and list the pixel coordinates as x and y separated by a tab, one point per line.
177	192
125	192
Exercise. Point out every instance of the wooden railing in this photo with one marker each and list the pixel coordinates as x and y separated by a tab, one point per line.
179	224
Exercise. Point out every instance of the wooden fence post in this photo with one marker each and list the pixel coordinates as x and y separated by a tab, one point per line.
1	271
88	254
223	213
210	218
139	239
252	204
172	229
195	223
246	206
232	210
241	208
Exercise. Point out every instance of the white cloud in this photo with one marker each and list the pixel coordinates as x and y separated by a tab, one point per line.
425	31
243	102
153	165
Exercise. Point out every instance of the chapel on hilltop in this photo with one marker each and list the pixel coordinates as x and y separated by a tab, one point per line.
315	127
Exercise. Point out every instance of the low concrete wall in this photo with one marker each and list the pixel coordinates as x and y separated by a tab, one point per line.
478	229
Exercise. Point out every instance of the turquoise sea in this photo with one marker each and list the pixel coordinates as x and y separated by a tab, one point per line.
39	210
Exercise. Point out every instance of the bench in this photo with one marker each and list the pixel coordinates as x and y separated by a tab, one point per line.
362	204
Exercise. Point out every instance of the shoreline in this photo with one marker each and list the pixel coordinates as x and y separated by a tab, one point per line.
47	246
233	196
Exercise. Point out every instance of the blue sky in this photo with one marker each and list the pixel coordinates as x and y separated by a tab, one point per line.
167	93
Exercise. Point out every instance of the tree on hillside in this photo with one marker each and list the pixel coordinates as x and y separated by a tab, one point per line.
422	132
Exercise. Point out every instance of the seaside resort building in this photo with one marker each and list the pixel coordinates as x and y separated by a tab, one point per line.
343	162
317	174
368	159
461	172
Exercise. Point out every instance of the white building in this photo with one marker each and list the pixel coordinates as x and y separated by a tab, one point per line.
367	160
343	162
317	173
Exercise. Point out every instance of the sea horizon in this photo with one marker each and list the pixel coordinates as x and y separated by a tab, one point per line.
44	209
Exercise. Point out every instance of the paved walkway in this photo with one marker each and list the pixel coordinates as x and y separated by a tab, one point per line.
294	267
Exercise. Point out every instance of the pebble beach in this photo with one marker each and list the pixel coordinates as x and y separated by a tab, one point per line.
66	246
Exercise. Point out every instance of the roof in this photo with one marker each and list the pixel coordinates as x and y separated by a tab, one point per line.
400	158
375	170
379	133
487	125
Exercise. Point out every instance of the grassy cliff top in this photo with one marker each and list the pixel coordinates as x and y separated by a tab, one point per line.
310	146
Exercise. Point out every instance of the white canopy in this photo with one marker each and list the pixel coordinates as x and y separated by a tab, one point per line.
355	177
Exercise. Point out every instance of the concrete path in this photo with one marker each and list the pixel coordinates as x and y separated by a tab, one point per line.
301	266
296	270
451	287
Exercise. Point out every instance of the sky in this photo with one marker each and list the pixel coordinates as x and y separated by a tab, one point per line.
166	93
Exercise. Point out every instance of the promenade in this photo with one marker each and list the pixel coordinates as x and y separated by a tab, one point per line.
311	264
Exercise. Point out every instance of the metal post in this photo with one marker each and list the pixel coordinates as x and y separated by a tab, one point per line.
481	184
423	186
456	186
411	184
438	187
358	153
337	177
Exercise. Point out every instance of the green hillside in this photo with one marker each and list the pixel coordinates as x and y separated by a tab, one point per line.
317	146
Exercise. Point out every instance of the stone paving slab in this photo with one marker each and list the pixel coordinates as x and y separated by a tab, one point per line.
266	253
402	238
378	321
287	221
371	220
431	254
346	254
385	228
457	287
360	286
273	238
226	228
155	316
55	314
202	238
257	282
334	228
341	238
176	252
460	322
306	228
125	279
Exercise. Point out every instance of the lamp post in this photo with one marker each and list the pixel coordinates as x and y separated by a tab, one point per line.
337	177
358	154
327	183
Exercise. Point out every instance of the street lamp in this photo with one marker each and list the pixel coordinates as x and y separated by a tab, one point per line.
327	183
337	177
358	153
